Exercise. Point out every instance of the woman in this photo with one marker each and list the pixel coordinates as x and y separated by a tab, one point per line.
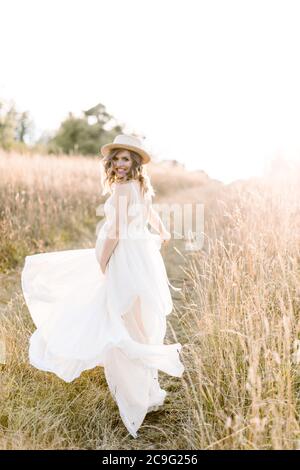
107	306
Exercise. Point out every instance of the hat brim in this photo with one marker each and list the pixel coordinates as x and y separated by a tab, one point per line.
107	147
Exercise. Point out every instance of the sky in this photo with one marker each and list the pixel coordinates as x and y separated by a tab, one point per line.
213	84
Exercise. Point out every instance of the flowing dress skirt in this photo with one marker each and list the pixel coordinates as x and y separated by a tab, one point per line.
84	319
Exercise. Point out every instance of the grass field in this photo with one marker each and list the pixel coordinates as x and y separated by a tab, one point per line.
237	316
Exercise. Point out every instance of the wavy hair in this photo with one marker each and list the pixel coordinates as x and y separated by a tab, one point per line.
137	171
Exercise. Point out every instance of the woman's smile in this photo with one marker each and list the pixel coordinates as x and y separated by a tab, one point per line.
122	163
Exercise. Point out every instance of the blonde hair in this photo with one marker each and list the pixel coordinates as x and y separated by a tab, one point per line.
137	172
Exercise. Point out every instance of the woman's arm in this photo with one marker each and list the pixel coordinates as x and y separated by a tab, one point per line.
107	250
119	217
156	223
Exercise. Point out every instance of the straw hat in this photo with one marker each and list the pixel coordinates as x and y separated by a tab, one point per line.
127	142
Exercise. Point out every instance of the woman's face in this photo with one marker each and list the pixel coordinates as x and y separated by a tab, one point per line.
122	163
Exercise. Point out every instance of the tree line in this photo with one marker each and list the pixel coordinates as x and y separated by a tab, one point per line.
82	135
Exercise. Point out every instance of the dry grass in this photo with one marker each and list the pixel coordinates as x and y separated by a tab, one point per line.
241	323
49	202
45	202
237	315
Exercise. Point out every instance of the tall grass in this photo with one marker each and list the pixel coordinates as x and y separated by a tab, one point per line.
241	323
238	316
50	202
45	202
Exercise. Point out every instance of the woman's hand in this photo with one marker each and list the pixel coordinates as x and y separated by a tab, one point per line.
165	237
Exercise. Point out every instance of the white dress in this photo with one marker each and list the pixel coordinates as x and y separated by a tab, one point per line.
116	320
